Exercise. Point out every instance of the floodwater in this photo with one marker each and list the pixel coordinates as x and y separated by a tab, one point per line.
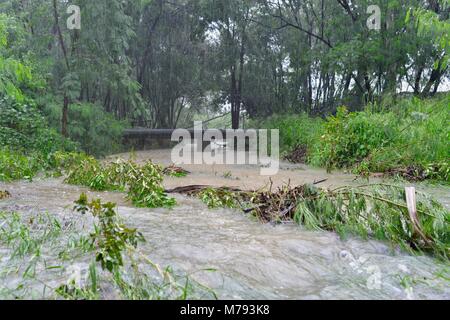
253	260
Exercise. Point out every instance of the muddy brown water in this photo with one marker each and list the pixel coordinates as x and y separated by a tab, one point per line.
253	260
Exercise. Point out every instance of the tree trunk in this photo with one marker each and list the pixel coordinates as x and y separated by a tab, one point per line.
64	117
65	110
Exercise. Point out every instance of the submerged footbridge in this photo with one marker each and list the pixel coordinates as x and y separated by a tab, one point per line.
165	134
143	138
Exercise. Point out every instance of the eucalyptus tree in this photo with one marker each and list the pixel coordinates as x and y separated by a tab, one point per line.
337	58
86	65
430	21
229	23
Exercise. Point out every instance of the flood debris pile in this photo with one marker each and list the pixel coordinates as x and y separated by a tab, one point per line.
53	258
142	183
371	211
4	194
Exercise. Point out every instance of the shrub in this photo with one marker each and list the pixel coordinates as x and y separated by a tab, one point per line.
351	137
295	130
393	136
97	131
143	183
15	165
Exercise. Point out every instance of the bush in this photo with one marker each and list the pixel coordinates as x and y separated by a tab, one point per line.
410	135
421	140
22	127
351	137
295	130
15	165
143	183
97	131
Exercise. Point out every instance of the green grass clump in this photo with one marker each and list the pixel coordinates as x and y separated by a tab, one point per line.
411	134
408	134
97	132
350	137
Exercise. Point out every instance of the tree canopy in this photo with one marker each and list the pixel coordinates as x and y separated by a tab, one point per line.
157	63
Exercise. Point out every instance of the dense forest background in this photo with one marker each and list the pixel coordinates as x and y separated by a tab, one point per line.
79	81
156	63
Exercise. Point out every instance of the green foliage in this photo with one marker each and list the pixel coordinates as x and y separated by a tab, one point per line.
143	183
295	130
71	291
218	198
351	137
408	133
62	160
18	235
371	211
16	166
14	74
145	187
430	24
30	242
380	212
22	127
111	237
174	171
421	139
97	132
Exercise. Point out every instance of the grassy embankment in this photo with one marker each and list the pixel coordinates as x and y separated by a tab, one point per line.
410	138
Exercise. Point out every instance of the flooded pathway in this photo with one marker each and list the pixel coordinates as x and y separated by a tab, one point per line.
254	261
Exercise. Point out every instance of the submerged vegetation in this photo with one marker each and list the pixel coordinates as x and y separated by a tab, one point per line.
42	245
174	171
4	194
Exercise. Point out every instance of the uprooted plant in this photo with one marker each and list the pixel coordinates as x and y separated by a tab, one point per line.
380	212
